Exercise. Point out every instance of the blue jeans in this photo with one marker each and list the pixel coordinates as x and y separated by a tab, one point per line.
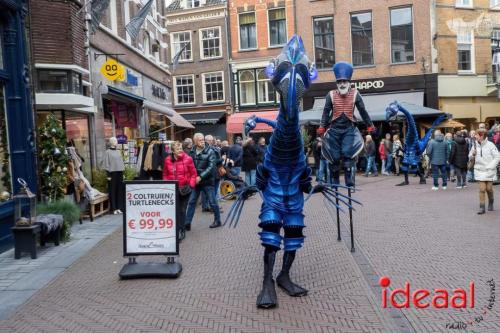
236	170
435	174
250	177
209	192
322	171
204	200
388	164
371	165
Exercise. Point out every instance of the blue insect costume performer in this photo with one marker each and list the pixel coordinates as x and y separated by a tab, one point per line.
414	147
342	140
284	177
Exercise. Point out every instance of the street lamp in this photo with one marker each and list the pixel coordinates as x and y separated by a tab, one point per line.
24	205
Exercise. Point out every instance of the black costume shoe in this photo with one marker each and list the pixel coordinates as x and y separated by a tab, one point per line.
490	205
422	182
187	227
481	210
182	234
215	225
284	280
267	298
403	184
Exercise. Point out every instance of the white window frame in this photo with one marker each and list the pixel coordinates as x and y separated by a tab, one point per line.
412	34
462	4
251	70
191	2
472	54
175	90
173	50
269	28
200	40
373	38
314	43
256	33
204	88
113	17
268	85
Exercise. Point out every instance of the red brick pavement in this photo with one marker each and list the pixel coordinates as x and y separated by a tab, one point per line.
216	291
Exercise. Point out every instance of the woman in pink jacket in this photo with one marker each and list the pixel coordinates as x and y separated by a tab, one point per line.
179	166
381	152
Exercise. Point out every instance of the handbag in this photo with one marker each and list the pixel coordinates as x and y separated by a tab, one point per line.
222	171
472	161
185	190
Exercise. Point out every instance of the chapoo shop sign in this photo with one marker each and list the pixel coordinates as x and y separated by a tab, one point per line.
150	218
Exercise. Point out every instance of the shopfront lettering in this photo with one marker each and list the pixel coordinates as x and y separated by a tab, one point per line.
158	92
365	85
199	17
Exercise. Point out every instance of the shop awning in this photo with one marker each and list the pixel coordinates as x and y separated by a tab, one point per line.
179	120
211	117
235	122
72	102
449	123
376	105
124	93
157	107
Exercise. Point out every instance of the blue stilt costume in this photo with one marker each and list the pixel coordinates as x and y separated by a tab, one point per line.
284	176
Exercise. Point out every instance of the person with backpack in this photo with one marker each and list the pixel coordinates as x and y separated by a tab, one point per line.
459	157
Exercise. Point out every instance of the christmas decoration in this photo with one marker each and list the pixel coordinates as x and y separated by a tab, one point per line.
4	196
4	153
52	141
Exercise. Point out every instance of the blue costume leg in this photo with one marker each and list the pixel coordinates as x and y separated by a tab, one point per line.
294	238
271	240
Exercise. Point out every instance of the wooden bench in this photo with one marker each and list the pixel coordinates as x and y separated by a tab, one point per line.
97	207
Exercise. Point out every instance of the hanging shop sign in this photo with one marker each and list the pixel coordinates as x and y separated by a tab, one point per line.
150	219
132	80
113	71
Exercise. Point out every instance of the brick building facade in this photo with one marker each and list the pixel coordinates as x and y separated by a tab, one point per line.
388	42
200	82
259	30
467	40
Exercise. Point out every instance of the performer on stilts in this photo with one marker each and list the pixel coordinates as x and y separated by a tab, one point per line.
342	140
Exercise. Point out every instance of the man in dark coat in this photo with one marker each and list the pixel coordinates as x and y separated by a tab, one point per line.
235	153
205	160
459	157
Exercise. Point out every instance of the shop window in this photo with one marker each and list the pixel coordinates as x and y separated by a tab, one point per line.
77	135
277	26
184	89
324	45
402	35
210	43
248	37
247	87
362	39
213	84
77	87
265	89
465	51
5	172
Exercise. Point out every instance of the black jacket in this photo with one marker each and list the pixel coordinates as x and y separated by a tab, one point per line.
370	149
204	163
250	157
459	153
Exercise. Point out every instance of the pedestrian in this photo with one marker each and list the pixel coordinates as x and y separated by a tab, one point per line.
459	157
205	205
397	152
235	153
438	157
388	154
180	166
224	148
204	159
250	159
486	158
187	145
262	148
381	152
450	171
316	153
371	152
471	142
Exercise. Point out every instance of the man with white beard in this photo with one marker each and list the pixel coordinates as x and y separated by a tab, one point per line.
342	139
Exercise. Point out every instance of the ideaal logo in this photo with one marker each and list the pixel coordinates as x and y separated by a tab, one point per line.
421	298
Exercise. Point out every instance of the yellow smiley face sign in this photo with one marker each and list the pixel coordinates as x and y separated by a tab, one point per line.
113	71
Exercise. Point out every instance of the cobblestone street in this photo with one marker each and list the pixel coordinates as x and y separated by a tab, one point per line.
432	239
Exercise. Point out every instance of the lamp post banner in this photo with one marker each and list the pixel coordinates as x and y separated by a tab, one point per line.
150	218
